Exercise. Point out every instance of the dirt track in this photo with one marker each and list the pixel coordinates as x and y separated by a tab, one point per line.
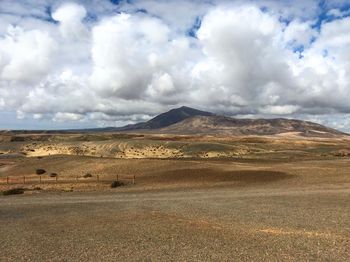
184	225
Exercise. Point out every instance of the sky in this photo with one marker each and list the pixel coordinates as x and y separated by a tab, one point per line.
98	63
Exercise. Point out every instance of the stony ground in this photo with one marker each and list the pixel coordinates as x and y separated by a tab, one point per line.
283	200
220	224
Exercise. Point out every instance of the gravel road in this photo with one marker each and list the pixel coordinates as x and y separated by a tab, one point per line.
219	224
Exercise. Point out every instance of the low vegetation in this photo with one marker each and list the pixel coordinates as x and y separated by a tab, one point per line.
116	184
13	191
40	171
87	175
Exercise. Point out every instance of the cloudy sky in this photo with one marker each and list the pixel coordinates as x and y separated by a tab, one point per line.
76	64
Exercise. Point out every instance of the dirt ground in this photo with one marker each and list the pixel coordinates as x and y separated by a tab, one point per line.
220	224
290	203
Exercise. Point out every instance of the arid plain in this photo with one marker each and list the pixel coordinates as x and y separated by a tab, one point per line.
195	197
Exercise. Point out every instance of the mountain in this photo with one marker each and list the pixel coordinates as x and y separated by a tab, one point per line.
166	119
225	125
186	120
160	121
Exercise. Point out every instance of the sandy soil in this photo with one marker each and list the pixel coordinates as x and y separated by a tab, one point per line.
244	224
166	146
195	199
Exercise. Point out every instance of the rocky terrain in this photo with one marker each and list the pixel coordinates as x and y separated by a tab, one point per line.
230	126
166	119
186	120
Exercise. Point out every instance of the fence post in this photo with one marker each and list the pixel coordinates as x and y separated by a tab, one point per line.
133	180
7	180
39	179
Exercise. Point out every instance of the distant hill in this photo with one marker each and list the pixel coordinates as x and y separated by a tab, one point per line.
231	126
186	120
160	121
166	119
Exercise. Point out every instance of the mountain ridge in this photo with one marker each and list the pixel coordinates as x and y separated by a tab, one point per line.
168	118
232	126
186	120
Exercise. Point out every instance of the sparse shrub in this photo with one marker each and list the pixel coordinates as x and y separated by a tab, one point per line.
39	157
87	175
67	189
40	171
13	191
116	184
37	188
53	175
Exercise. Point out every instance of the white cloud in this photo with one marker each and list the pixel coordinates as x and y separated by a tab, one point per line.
104	66
299	33
279	110
162	84
335	13
37	116
70	16
63	117
135	56
243	59
25	56
119	53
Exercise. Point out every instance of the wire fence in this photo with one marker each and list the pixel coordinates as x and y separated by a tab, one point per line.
46	179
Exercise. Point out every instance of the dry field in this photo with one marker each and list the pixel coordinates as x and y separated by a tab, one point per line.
215	199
